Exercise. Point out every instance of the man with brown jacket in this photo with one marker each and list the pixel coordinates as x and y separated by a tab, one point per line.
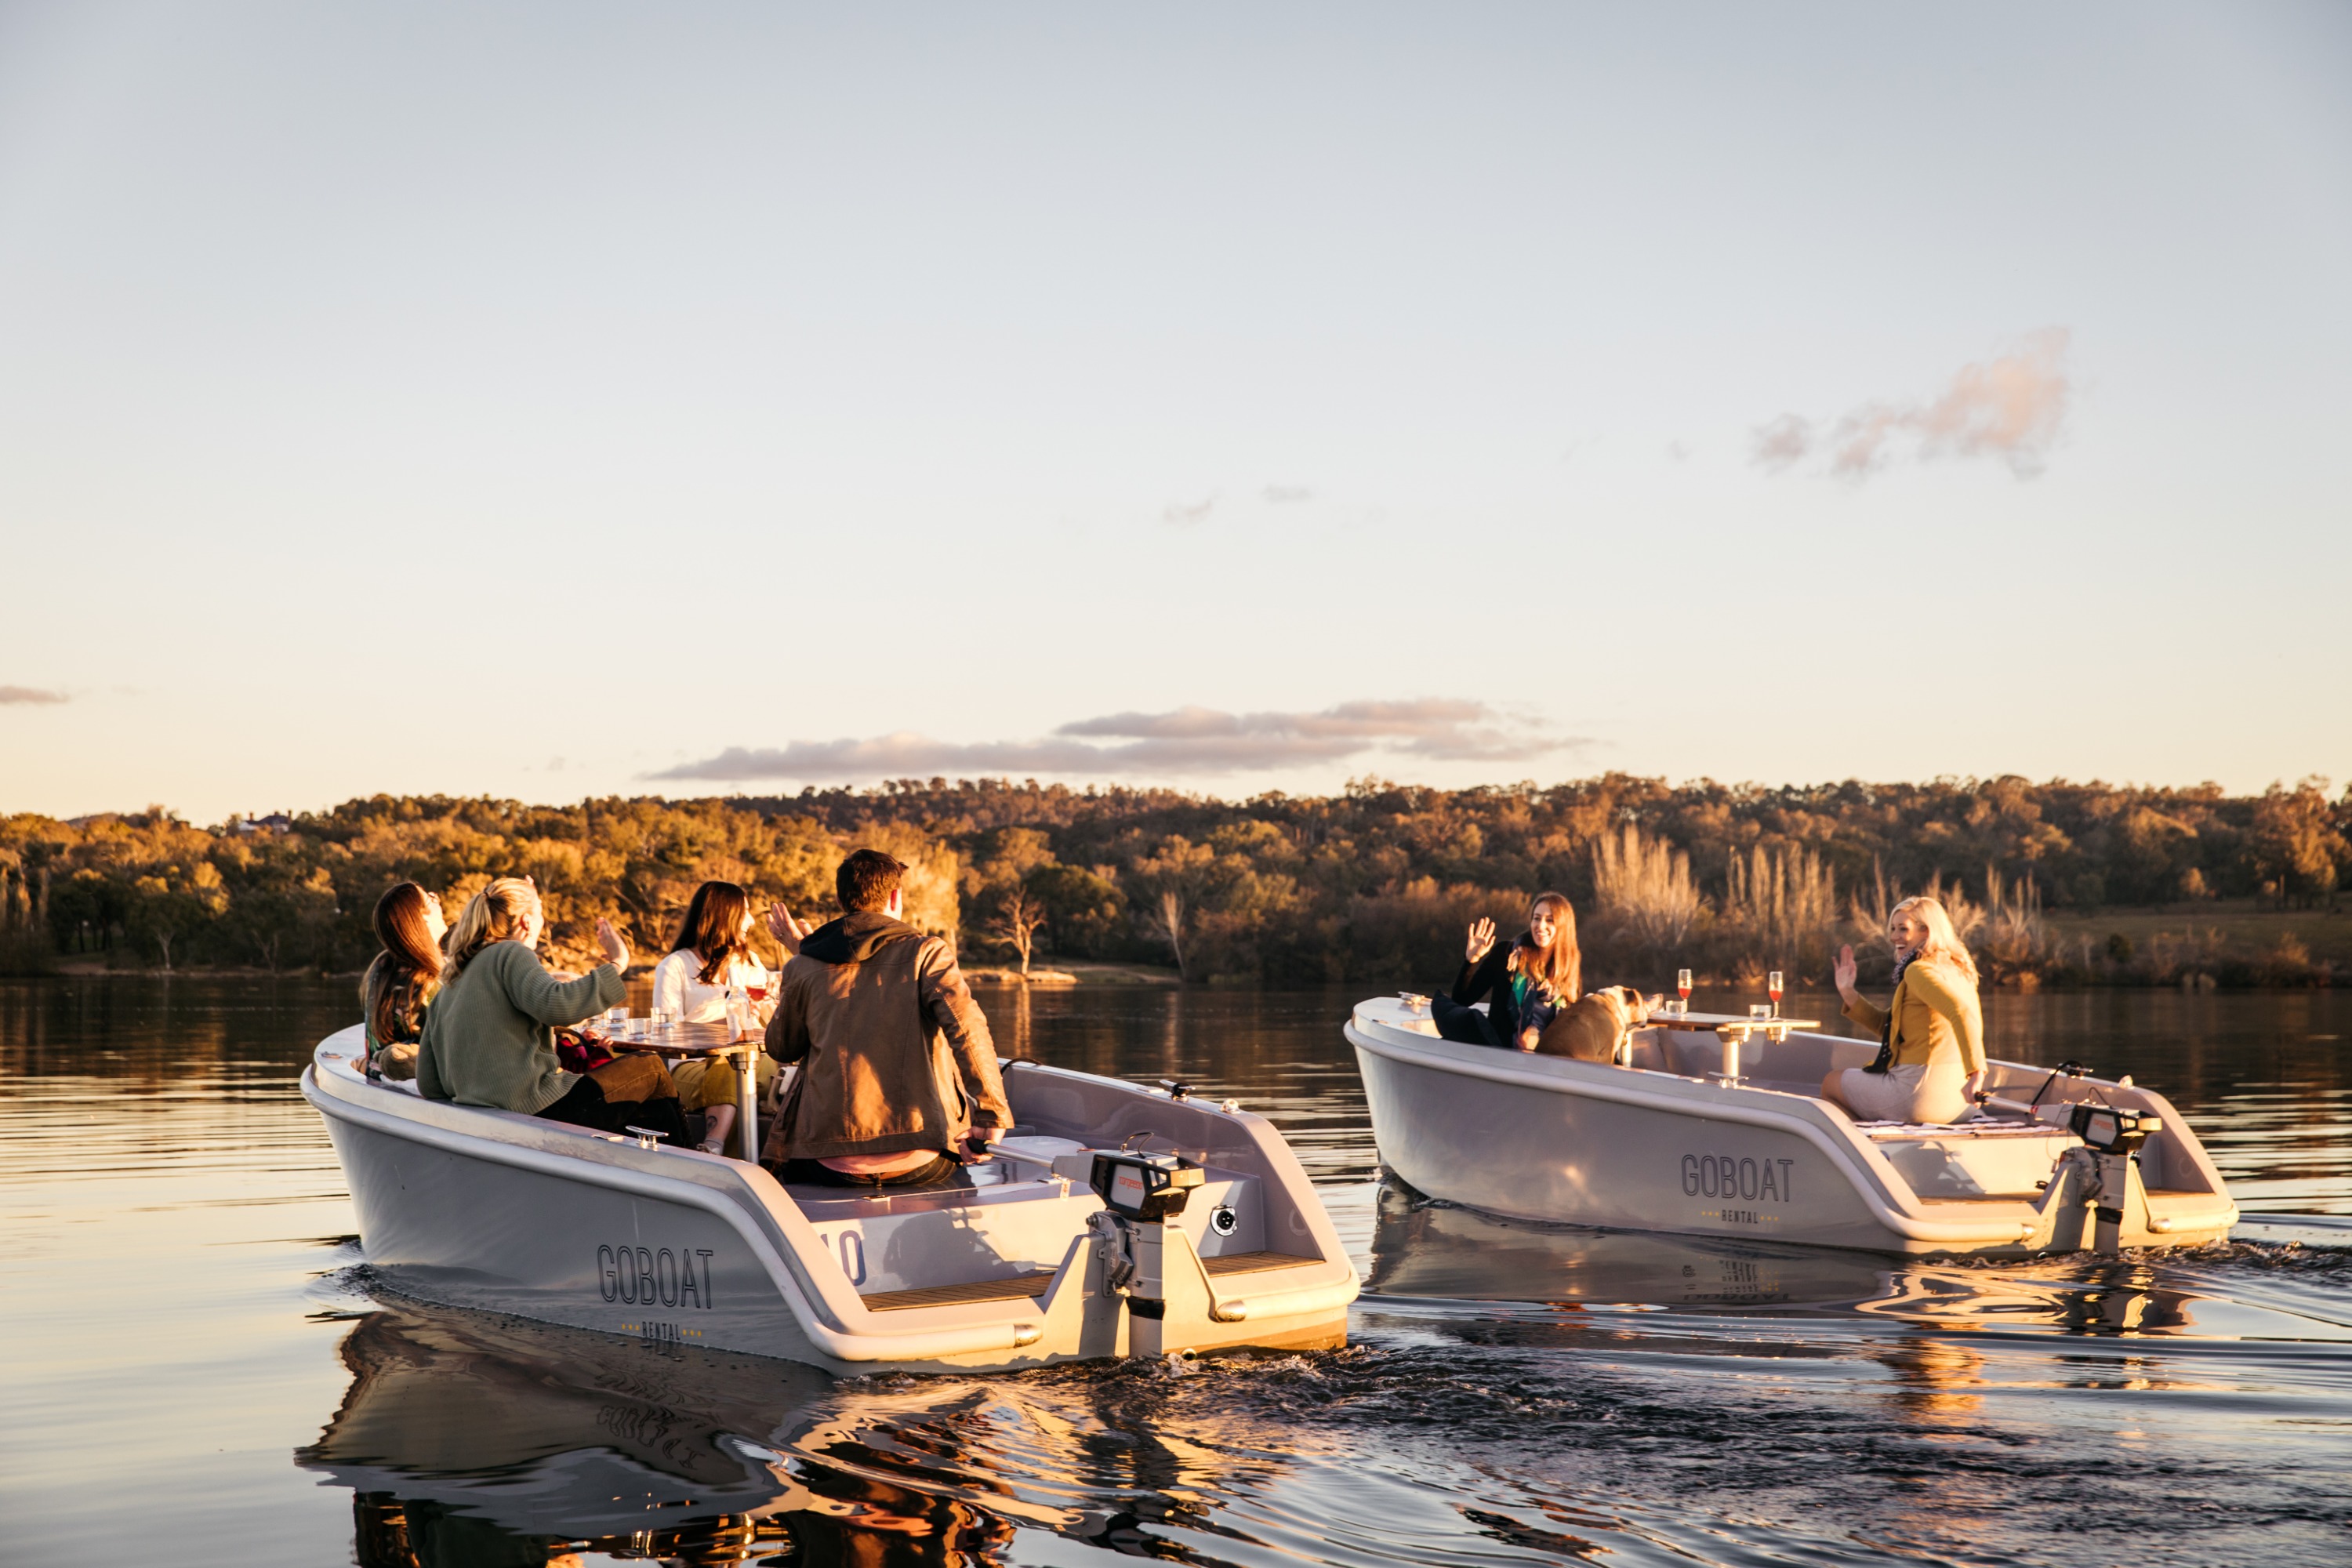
897	1075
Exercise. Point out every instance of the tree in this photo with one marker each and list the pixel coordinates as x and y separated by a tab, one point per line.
2294	843
1165	923
1015	915
1006	877
281	901
170	901
1083	910
1174	876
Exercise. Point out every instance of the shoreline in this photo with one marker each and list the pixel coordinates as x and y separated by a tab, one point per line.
1100	976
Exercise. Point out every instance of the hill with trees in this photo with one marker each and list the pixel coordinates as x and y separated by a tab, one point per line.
1370	886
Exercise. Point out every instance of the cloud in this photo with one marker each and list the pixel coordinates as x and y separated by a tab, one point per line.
1183	741
29	694
2013	408
1182	516
1287	495
1784	442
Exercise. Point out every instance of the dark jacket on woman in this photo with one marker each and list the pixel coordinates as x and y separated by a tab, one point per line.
1492	972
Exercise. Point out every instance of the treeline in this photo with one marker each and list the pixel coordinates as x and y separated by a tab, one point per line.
1371	885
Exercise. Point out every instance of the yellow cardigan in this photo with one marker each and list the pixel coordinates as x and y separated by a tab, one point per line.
1932	1006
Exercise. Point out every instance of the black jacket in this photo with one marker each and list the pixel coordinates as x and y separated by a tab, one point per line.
1491	974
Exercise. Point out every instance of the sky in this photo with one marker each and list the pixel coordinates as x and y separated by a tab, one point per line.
551	400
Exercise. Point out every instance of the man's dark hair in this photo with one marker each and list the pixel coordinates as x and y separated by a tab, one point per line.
866	879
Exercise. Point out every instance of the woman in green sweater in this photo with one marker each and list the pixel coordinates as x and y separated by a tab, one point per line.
489	1037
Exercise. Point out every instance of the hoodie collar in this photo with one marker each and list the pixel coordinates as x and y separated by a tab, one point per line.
855	937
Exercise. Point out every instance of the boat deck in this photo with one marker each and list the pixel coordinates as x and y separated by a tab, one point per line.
1030	1286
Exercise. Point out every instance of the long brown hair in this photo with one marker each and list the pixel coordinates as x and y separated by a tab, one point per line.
1560	968
407	973
713	928
491	915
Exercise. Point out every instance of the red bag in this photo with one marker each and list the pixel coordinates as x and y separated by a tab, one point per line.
582	1053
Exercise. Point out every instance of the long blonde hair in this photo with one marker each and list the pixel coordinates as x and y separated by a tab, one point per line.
490	915
1560	968
1943	944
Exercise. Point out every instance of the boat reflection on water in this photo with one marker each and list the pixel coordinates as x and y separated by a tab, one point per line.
476	1441
1432	1251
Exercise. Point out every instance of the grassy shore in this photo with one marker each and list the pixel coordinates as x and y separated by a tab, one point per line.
2238	941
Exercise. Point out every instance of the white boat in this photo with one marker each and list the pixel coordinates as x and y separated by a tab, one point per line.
1711	1126
1114	1221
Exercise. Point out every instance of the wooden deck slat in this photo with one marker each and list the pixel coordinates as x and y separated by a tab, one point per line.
1012	1289
1253	1262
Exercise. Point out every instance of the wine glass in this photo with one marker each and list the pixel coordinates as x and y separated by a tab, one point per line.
1683	989
1773	989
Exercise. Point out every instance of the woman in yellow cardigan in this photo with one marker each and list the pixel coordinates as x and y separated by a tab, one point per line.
1932	1025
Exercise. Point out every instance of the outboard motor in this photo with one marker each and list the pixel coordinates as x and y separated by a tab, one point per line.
2114	1138
1143	1192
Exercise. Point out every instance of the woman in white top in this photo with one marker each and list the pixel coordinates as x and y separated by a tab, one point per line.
712	952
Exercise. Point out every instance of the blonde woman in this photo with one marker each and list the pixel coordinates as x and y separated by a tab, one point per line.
1932	1030
490	1036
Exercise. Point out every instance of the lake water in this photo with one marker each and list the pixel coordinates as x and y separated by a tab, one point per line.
194	1373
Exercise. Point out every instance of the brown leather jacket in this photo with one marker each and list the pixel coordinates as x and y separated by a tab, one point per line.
894	1052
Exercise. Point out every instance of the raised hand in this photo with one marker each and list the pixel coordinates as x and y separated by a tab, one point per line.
789	932
617	951
1482	937
1843	972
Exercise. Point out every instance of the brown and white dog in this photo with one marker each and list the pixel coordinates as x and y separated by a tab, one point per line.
1590	1030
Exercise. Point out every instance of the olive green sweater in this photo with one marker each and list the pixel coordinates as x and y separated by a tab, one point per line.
490	1036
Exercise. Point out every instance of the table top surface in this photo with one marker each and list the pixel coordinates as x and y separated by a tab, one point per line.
682	1040
1711	1020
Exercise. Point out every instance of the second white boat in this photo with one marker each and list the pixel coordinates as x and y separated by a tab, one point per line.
1686	1137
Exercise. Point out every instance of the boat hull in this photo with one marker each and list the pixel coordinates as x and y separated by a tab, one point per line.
509	1213
490	1233
1498	1144
1668	1146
